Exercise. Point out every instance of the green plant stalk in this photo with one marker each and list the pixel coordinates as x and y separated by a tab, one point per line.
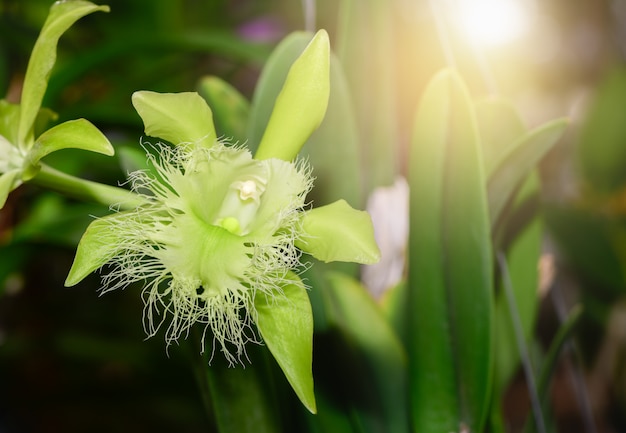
86	190
521	345
561	338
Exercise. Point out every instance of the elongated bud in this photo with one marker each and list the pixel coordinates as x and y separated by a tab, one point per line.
301	104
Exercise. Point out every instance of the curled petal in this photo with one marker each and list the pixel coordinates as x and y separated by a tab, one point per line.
176	117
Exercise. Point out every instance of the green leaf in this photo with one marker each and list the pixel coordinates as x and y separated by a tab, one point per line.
337	232
243	399
393	305
500	126
286	325
230	108
301	104
516	164
600	150
337	167
363	323
366	37
176	117
61	17
73	134
95	249
133	159
334	149
592	243
563	335
450	273
522	257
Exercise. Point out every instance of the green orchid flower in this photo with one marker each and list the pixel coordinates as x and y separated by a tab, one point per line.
218	237
20	150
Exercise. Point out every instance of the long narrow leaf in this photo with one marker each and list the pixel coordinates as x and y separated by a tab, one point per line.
450	274
518	162
230	108
362	321
243	399
366	48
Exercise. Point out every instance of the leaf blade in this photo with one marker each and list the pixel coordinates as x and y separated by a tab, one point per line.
450	283
516	164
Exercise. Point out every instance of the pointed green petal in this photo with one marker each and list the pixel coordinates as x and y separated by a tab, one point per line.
75	134
95	249
62	15
301	104
176	117
286	325
7	184
337	232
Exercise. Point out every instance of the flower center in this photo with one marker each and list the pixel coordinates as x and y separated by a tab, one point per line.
247	190
240	205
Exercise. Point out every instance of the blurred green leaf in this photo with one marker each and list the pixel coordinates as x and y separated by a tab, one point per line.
362	322
366	39
54	220
393	305
563	335
334	150
230	108
600	147
523	265
243	399
592	243
270	82
516	164
133	159
130	46
499	125
301	104
450	272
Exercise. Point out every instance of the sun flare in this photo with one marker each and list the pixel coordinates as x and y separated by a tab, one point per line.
492	22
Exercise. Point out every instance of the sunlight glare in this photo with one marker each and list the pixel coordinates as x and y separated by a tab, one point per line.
492	22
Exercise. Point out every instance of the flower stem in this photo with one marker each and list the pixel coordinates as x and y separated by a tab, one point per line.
86	190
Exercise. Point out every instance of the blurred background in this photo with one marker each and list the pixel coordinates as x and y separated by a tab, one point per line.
71	360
